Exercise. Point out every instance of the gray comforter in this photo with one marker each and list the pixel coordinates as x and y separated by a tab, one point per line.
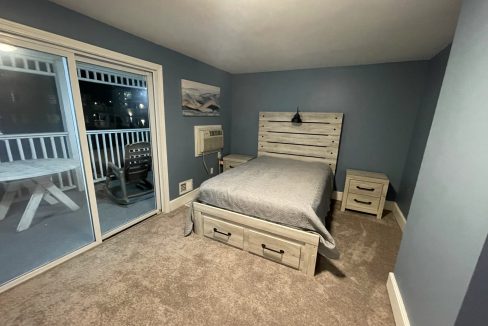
284	191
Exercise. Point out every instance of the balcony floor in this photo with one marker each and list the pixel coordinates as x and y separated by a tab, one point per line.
113	215
56	231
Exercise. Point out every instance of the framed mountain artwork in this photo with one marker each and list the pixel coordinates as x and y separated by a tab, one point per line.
199	100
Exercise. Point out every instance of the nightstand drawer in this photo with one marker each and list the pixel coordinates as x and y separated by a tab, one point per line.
365	188
363	203
234	160
365	192
230	165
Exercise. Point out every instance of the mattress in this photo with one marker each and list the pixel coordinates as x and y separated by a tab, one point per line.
285	191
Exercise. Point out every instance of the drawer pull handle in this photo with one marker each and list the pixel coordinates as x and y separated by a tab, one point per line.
364	188
362	202
228	234
281	251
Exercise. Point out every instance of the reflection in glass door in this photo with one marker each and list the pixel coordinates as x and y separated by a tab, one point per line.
44	211
117	118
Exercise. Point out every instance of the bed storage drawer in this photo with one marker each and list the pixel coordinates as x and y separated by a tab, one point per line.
274	248
228	233
282	244
365	188
363	203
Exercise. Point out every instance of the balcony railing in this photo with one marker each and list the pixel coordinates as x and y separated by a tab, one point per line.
104	146
109	146
36	146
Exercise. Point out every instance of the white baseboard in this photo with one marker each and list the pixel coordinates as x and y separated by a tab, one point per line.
337	195
182	200
400	218
389	205
396	301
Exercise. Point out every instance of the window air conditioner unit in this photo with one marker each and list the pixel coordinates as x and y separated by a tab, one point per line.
208	139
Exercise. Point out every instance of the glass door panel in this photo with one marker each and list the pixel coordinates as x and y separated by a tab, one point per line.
117	118
44	211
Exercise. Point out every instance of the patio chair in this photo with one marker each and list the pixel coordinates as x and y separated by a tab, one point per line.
132	180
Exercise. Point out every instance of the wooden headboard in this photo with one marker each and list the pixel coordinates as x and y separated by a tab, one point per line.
317	138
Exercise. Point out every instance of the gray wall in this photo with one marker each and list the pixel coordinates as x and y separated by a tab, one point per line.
423	122
380	104
473	311
448	222
182	163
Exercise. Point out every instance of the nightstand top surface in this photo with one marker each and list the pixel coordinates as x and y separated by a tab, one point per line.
238	157
366	174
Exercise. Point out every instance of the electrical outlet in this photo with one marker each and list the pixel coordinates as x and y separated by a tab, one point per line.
211	170
186	186
219	155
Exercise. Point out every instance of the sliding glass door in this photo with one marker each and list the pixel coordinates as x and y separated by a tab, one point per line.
78	154
118	115
44	208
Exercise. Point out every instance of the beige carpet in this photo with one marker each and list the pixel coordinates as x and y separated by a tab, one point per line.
151	275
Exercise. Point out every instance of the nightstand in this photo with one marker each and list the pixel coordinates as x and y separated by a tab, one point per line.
365	192
233	160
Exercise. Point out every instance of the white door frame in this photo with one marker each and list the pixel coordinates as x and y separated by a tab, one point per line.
29	37
154	118
16	30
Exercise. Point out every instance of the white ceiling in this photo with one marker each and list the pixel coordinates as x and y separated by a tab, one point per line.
266	35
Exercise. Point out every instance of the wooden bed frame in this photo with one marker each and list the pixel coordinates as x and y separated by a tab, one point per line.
317	138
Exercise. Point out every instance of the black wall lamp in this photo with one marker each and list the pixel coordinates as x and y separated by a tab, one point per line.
296	118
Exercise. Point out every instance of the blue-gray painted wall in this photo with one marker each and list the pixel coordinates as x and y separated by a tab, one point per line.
380	104
182	164
448	220
423	122
473	311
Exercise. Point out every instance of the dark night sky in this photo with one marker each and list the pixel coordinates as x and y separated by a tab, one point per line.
29	104
112	104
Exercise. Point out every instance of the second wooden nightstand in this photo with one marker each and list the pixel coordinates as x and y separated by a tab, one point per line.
233	160
365	192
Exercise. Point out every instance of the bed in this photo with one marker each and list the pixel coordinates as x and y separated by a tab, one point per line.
274	206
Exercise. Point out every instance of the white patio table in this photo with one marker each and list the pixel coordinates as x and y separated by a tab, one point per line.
35	175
